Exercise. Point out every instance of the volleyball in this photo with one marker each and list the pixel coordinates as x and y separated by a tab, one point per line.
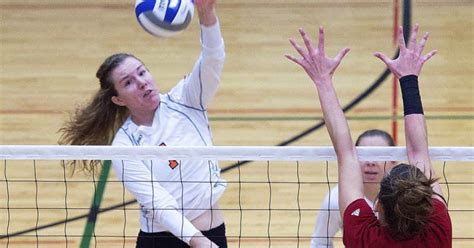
164	18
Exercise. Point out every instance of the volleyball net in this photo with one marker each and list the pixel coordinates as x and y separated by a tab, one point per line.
272	198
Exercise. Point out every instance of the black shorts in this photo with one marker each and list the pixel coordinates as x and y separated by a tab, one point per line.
168	240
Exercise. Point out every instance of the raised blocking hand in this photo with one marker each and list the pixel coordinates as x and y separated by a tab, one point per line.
317	65
410	61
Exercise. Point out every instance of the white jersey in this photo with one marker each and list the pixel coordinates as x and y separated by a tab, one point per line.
329	222
180	120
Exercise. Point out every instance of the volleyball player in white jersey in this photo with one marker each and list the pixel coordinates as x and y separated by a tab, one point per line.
178	199
328	222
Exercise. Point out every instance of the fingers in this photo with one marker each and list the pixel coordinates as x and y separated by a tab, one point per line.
307	42
419	49
429	55
414	33
382	57
401	39
299	49
341	54
321	41
297	61
422	44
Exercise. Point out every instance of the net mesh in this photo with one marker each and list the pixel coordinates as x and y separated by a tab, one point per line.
272	199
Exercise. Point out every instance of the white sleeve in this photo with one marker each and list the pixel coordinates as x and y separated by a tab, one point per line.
202	83
155	202
327	222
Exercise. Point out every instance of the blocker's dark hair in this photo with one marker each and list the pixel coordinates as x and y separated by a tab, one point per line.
406	200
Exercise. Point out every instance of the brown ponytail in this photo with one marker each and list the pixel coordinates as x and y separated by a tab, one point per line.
97	122
405	196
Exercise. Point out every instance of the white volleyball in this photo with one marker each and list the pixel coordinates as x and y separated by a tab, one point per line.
164	18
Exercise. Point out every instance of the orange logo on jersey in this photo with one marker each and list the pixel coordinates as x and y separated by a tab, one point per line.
172	163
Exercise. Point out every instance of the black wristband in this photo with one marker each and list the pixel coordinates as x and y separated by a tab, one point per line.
411	95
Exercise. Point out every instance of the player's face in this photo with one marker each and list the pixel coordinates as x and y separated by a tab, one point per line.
373	171
135	86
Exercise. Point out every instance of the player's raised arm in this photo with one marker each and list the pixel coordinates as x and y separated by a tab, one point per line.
407	68
320	69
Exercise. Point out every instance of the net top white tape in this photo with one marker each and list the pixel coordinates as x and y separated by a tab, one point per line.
231	153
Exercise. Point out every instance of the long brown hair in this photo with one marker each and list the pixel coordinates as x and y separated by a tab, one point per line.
99	120
405	196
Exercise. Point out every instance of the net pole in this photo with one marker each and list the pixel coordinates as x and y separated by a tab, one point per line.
94	210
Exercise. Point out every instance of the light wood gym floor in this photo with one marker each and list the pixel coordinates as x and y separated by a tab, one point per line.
51	49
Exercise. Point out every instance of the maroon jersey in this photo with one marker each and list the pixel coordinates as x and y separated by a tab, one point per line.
362	229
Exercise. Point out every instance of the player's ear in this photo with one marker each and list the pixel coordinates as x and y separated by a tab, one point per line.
118	101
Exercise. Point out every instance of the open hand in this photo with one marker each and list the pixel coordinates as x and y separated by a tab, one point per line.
410	60
317	65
